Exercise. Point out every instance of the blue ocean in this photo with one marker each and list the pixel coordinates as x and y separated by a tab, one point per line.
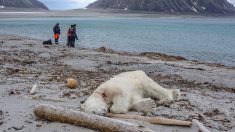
203	39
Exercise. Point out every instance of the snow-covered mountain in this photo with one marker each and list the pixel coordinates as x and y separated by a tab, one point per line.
169	6
22	4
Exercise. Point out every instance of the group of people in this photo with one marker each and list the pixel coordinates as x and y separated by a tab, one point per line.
71	35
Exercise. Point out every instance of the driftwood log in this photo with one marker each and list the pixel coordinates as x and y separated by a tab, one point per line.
86	120
153	120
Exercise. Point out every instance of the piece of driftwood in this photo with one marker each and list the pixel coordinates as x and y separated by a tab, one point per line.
39	97
86	120
153	120
201	127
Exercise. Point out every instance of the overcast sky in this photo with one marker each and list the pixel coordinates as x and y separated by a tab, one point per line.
74	4
66	4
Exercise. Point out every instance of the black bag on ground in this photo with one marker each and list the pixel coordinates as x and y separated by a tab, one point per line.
47	42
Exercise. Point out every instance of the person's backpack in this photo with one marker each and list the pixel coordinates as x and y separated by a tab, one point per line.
47	42
71	32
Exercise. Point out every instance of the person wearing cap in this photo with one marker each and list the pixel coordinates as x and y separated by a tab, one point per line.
56	31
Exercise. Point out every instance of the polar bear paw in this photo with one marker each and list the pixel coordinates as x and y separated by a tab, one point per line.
145	105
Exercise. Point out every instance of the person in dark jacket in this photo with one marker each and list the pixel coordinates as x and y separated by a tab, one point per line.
75	28
56	31
71	36
75	31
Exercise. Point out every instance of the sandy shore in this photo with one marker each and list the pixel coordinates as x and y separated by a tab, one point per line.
208	90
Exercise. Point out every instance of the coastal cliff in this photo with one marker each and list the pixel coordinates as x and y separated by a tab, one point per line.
168	6
22	4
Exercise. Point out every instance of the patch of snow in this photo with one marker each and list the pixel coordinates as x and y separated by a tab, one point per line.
172	10
2	6
194	3
203	8
29	2
125	9
195	10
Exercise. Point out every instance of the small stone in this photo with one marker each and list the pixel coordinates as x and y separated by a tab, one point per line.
82	102
109	62
33	90
66	94
11	92
73	96
28	122
17	128
38	125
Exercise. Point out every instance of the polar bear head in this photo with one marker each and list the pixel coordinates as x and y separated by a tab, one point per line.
95	104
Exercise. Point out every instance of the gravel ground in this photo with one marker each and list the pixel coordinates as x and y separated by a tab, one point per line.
207	89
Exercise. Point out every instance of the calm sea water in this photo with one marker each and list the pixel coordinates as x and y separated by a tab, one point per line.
204	39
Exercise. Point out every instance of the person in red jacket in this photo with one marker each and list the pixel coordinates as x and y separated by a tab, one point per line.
71	36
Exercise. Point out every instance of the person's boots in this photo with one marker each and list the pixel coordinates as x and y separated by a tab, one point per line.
56	41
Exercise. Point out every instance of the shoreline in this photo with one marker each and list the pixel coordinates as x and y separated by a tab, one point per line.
211	54
207	90
150	55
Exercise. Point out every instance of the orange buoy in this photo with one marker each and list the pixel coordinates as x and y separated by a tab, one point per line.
71	83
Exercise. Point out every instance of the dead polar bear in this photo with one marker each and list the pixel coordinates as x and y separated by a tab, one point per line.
127	91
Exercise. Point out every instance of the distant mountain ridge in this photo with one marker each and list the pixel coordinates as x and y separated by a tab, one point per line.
22	4
168	6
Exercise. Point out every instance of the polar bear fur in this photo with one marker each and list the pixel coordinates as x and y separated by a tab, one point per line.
127	91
